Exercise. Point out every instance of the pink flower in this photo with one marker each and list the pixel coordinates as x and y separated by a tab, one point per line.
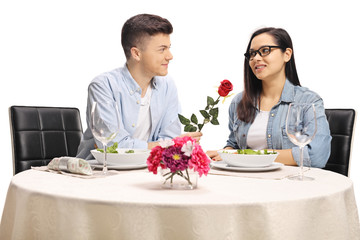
180	141
155	159
199	161
174	159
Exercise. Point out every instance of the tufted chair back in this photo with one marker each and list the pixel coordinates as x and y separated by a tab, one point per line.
41	133
341	122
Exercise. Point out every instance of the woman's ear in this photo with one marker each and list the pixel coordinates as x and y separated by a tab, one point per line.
287	54
135	53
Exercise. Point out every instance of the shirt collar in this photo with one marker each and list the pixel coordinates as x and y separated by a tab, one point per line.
131	84
288	93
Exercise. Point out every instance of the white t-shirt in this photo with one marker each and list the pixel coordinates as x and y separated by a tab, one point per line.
257	132
143	126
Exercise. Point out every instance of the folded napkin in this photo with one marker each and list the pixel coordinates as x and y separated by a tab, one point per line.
70	164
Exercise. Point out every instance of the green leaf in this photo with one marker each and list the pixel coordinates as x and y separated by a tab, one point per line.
214	112
210	101
190	128
251	152
111	149
194	119
183	119
205	114
200	126
214	121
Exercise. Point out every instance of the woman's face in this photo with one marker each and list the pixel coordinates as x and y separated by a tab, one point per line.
272	66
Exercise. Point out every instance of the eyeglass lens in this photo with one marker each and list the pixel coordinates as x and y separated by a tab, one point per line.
263	51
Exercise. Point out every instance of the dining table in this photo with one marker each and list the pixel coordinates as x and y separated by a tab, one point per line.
131	204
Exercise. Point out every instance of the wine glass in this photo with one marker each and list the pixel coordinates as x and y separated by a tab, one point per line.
105	124
301	128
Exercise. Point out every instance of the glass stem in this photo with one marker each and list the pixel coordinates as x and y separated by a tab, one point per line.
301	163
105	160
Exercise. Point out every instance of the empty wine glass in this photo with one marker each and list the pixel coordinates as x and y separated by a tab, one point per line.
301	128
105	124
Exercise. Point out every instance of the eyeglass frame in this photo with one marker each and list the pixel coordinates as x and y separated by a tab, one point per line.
247	54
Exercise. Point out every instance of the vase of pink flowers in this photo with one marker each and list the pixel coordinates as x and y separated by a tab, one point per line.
186	179
180	162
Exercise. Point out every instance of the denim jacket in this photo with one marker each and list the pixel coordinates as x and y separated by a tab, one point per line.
318	150
119	86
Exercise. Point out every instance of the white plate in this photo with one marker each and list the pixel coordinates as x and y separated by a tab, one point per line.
223	165
96	164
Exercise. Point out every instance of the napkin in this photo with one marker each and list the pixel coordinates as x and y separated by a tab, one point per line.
70	164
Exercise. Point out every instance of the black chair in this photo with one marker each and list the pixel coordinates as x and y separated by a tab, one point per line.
341	123
41	133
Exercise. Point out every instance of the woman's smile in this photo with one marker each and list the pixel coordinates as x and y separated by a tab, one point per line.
259	67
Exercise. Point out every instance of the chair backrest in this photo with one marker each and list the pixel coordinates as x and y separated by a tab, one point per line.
41	133
341	122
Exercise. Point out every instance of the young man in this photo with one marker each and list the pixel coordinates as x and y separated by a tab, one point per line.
147	98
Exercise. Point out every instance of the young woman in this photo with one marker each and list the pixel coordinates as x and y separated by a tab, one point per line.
257	115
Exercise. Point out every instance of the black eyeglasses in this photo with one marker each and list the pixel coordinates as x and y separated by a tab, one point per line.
263	51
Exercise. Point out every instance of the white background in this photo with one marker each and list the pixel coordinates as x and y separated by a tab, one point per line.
51	50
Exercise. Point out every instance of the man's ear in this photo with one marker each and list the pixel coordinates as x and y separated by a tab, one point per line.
135	53
288	54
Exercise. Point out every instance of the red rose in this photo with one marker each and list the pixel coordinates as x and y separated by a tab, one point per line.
225	87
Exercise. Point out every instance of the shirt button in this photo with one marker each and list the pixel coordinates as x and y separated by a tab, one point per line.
133	125
131	92
269	136
137	101
272	114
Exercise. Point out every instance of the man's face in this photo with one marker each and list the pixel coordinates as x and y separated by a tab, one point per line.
155	55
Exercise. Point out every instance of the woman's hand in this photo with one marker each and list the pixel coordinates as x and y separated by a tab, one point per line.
214	155
285	156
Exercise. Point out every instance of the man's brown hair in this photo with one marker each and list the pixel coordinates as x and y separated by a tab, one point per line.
140	26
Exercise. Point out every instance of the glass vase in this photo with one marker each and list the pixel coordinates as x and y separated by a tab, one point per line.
186	179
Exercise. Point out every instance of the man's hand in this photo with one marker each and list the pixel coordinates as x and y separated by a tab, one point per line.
195	135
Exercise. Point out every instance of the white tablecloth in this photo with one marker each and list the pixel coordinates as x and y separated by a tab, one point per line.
131	205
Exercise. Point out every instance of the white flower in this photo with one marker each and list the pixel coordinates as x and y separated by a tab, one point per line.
166	143
187	148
